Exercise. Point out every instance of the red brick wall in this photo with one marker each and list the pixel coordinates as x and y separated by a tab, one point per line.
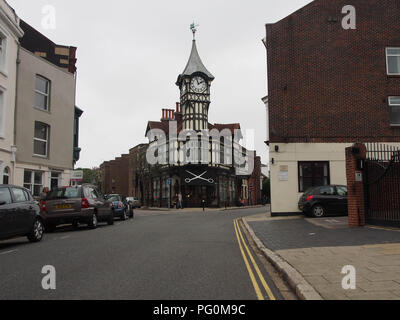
327	84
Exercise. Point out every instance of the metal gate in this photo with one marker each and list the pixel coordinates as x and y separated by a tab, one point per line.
382	185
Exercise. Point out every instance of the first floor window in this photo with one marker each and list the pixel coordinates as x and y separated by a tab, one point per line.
394	104
41	139
313	174
6	175
33	181
393	61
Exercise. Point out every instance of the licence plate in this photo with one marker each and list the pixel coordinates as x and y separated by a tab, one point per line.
63	206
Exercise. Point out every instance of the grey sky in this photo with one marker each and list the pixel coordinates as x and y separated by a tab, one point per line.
130	54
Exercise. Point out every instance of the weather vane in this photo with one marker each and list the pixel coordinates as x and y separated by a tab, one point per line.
193	27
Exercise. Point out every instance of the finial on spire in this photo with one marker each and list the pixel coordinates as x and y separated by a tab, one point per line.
193	27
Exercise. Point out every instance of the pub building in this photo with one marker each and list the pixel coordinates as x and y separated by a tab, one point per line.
215	182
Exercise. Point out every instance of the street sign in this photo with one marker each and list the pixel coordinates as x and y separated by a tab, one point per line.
77	175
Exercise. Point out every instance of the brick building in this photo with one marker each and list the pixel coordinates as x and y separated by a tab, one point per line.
202	170
329	87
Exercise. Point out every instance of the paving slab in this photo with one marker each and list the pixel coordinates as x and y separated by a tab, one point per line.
318	251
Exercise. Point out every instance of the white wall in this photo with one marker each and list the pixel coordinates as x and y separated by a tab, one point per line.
10	32
285	194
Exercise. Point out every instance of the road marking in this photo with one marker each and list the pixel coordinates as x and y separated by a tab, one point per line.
65	237
260	276
7	252
251	274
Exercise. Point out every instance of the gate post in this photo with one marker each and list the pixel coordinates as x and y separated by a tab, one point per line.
355	185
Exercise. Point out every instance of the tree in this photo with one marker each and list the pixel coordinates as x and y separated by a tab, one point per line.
91	176
266	191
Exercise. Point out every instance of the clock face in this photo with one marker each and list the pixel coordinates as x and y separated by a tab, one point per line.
198	84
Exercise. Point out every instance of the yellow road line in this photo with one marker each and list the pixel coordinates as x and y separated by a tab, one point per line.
251	274
264	283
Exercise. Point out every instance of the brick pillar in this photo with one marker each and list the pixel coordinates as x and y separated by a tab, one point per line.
356	203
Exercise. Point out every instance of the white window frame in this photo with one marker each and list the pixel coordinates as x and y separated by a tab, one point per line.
387	61
3	112
3	52
46	94
41	140
31	185
393	105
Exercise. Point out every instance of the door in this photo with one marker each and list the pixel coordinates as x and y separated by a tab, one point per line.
7	212
103	206
329	199
23	210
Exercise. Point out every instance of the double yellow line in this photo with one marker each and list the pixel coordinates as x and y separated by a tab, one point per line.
242	244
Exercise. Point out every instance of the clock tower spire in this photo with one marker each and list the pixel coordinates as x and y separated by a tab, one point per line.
194	83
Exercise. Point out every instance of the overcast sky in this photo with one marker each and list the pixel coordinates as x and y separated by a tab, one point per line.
130	54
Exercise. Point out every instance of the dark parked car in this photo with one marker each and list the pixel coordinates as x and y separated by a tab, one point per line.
19	214
74	205
120	206
324	201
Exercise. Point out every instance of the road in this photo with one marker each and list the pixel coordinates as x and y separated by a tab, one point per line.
156	256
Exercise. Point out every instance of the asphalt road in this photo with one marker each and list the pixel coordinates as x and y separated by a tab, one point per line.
158	255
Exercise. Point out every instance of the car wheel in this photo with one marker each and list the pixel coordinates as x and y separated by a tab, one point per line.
93	221
37	231
110	220
318	211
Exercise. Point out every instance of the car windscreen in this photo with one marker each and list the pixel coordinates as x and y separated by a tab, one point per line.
64	193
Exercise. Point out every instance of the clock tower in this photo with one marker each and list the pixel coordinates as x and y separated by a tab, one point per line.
194	84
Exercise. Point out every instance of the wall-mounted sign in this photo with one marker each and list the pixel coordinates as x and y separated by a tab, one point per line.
283	173
198	177
359	177
77	175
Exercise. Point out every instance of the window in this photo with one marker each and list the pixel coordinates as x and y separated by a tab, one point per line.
393	61
2	113
6	175
40	140
42	93
313	174
33	181
5	196
19	195
3	52
342	191
327	191
394	104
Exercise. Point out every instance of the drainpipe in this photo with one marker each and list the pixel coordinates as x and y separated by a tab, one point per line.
14	148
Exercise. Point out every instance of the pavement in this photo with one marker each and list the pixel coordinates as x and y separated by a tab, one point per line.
311	254
158	255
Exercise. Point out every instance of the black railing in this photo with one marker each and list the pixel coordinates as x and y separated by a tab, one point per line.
382	184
